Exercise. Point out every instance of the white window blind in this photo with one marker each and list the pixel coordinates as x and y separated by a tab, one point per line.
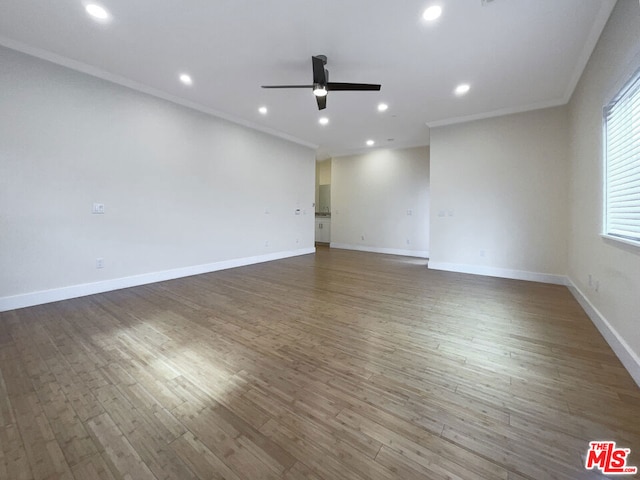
622	163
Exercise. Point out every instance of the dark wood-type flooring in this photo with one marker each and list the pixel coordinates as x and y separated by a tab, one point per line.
338	366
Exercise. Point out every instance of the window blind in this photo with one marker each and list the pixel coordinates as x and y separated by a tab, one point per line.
622	163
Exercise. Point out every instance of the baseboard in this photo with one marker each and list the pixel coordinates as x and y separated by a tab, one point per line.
74	291
623	351
388	251
499	272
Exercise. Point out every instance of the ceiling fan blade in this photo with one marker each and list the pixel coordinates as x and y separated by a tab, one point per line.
287	86
319	75
336	86
322	85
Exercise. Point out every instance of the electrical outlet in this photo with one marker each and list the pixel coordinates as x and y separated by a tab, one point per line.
99	262
362	236
408	242
98	208
266	243
409	212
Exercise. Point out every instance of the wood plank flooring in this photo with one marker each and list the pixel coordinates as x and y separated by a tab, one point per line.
338	365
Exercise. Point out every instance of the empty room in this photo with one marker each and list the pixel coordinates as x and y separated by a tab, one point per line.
324	241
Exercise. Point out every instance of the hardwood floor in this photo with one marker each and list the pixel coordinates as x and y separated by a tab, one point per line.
339	365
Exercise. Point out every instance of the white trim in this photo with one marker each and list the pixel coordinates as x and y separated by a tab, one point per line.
634	243
497	113
587	49
387	251
125	82
606	7
499	272
623	351
64	293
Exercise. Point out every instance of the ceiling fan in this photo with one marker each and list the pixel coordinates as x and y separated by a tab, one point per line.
321	84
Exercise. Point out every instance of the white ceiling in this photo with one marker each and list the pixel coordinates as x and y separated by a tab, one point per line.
516	54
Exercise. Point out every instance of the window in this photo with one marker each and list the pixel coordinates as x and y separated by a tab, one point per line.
622	164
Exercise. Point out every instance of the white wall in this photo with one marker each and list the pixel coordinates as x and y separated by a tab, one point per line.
615	266
499	196
323	177
181	188
370	196
323	172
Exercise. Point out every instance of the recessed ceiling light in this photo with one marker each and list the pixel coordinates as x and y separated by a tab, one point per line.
97	12
462	89
382	107
263	110
431	13
186	79
323	120
370	143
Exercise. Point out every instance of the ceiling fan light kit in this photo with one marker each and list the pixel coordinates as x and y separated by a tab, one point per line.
322	86
319	91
